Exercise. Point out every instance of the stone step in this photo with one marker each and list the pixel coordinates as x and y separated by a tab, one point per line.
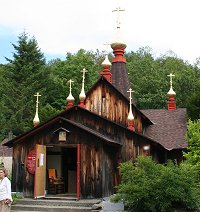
19	207
53	202
28	204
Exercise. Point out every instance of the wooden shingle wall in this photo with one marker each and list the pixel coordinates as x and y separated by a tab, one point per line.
106	102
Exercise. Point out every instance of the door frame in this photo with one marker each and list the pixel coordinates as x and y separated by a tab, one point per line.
78	166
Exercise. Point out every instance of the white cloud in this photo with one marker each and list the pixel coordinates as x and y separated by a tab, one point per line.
68	25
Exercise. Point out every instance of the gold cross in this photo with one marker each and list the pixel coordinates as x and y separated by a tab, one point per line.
37	96
130	91
118	10
70	85
171	75
84	71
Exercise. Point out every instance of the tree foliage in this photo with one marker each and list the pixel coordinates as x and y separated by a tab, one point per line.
193	103
63	71
25	75
148	186
28	73
148	76
193	138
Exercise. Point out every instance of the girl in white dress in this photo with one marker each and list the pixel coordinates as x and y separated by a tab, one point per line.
5	192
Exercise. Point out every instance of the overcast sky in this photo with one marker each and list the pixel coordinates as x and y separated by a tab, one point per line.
61	26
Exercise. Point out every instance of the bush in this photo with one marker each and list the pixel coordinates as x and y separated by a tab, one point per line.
148	186
193	137
15	197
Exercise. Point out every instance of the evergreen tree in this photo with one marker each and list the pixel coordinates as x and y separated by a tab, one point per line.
27	58
2	105
26	74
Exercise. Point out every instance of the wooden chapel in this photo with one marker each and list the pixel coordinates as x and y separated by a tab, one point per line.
86	142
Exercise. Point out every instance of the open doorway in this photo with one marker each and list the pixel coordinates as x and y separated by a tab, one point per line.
62	160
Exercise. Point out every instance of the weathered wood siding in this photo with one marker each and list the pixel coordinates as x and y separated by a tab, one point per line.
113	131
100	153
22	180
98	162
106	102
110	172
18	171
99	170
91	170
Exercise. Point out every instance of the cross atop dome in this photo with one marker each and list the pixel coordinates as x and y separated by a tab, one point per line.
70	97
171	91
82	95
118	10
171	95
36	119
130	114
84	71
171	75
37	97
118	43
130	95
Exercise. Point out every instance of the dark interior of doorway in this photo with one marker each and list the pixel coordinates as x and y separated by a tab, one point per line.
64	161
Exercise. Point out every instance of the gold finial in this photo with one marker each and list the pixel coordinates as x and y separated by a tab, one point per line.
36	119
106	61
70	97
130	115
171	91
82	95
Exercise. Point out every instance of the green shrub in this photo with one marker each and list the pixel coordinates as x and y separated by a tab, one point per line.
193	137
148	186
15	197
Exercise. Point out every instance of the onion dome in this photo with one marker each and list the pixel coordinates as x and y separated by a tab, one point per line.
70	99
106	62
36	119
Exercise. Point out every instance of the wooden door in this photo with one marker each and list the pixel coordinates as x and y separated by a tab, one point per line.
40	172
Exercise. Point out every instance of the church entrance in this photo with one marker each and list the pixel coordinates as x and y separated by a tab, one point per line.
61	167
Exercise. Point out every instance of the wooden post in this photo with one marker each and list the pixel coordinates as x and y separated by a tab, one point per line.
78	184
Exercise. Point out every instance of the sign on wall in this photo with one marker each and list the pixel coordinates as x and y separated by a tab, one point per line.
31	162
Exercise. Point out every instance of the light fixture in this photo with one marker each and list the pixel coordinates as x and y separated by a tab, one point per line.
146	147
